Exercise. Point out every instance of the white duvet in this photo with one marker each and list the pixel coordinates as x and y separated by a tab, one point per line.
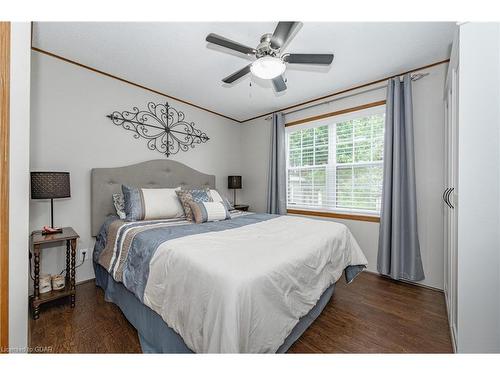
243	290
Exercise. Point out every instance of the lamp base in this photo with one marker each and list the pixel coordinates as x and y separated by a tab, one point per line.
46	230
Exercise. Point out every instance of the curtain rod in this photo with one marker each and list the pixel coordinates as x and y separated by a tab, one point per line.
414	77
351	89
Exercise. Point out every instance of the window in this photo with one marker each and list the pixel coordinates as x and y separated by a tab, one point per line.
335	164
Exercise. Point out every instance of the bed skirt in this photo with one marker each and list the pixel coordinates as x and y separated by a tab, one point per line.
157	337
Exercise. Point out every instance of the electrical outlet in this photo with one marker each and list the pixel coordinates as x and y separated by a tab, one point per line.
81	253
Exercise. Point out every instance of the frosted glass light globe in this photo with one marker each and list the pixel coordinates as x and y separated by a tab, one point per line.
267	67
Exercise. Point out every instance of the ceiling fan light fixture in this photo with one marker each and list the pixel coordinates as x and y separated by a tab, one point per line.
267	67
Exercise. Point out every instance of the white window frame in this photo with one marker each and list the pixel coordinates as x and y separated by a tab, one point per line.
332	164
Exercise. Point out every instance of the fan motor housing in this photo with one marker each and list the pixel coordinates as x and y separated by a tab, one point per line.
264	48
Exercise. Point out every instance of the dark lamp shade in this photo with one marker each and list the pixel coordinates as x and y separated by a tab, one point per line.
234	182
48	185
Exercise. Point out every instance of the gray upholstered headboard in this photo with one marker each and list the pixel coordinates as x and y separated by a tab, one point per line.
150	174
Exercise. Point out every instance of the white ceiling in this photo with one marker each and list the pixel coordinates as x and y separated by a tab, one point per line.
175	59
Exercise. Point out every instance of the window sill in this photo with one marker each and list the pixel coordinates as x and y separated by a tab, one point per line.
335	215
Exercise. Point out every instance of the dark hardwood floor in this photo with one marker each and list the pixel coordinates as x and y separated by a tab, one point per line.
372	315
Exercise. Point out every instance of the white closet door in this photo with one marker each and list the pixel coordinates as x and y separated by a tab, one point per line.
452	209
449	272
449	200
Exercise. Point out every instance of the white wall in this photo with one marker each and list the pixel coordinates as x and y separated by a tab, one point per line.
429	163
71	133
19	184
479	189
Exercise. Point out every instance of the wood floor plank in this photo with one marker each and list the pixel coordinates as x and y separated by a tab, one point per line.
371	315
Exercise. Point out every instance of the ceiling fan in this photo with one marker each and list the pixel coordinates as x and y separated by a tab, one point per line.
270	63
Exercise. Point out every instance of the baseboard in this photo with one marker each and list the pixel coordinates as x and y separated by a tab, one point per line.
407	282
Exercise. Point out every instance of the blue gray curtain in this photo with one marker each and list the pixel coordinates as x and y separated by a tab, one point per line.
399	248
276	185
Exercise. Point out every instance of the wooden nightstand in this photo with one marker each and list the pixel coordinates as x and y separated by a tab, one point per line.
241	207
69	236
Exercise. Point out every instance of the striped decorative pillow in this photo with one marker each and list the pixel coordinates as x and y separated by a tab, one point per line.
151	204
208	211
188	195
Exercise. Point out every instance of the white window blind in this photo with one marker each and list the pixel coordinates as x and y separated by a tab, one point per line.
336	164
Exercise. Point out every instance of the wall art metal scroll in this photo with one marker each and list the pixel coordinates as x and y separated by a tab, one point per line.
163	126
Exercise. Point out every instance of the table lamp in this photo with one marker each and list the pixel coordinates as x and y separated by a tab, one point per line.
234	182
50	185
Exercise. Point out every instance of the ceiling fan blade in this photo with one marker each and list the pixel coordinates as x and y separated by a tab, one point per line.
237	75
308	58
279	84
224	42
282	33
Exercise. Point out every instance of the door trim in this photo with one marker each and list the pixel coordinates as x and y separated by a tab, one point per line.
4	182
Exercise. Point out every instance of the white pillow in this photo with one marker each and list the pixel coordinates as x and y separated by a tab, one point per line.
151	204
161	204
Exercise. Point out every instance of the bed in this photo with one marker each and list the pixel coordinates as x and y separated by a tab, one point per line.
251	284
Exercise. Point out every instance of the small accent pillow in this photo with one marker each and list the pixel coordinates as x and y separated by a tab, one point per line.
217	197
208	211
119	205
195	195
151	204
